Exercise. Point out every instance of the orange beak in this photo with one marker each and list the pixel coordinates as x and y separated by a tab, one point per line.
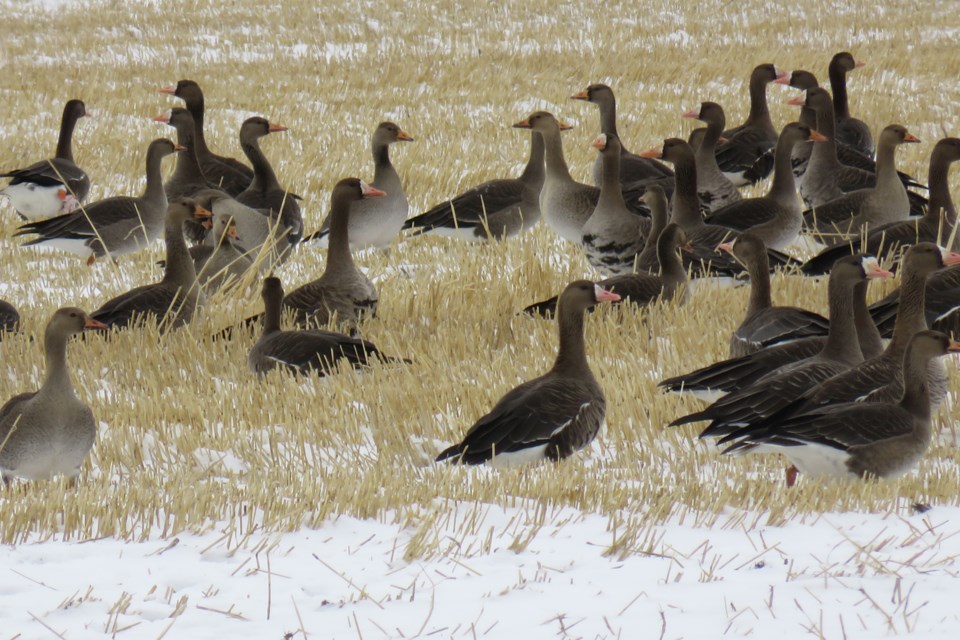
202	213
953	347
651	153
583	95
232	232
816	136
179	148
564	126
797	101
171	91
371	192
90	323
600	143
275	128
910	138
523	124
403	136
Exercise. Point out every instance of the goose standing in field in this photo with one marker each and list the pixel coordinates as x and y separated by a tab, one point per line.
377	222
800	154
494	209
223	264
265	191
229	174
343	293
858	439
613	237
51	187
9	318
633	168
713	187
565	204
713	381
765	324
173	301
643	289
741	157
850	131
777	217
884	203
188	177
936	225
49	431
772	393
879	379
304	351
115	226
550	417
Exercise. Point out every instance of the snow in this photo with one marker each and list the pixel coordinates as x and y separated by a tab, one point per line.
838	575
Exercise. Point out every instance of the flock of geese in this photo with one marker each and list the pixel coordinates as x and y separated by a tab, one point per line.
825	392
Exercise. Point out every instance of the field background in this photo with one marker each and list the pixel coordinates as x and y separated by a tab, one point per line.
195	452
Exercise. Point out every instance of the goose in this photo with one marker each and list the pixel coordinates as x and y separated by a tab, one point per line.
258	231
495	209
856	439
550	417
633	168
51	187
223	264
741	158
265	191
49	431
376	222
173	301
643	289
777	217
304	351
850	131
713	186
775	391
227	173
9	318
115	226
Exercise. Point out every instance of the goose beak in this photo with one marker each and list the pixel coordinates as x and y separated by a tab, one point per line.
693	113
651	153
816	136
726	246
602	295
275	128
403	136
165	118
874	271
202	214
859	63
949	257
909	137
232	232
953	347
523	124
722	140
797	101
87	114
583	95
371	192
687	247
600	143
90	323
179	148
564	126
783	79
170	91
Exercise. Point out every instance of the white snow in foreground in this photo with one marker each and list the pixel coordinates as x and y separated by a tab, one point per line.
837	575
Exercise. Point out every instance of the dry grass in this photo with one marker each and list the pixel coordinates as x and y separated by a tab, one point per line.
191	439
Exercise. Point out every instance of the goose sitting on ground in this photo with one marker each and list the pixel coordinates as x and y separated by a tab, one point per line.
172	302
115	226
377	222
49	431
857	439
304	351
51	187
550	417
643	288
494	209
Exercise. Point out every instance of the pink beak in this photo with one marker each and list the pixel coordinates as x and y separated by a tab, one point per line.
371	192
602	295
693	113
